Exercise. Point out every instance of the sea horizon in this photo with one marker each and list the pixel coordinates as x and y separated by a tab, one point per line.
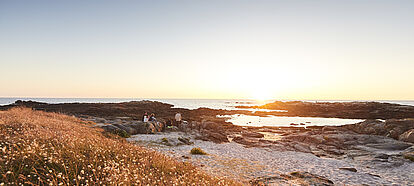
253	99
10	100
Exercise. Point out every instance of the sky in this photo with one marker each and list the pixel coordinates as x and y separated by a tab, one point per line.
215	49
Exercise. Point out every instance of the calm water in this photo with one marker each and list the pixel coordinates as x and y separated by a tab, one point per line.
280	121
218	104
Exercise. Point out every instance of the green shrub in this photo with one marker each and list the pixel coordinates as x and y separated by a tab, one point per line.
198	151
165	140
122	133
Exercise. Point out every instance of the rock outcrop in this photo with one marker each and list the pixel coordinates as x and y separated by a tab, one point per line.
210	131
351	110
369	142
398	129
407	136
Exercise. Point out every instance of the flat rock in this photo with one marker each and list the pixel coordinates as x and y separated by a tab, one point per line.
252	134
390	145
294	178
311	179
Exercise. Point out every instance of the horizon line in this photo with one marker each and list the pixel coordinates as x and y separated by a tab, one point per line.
206	99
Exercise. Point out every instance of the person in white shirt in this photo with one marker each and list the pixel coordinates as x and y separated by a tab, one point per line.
145	117
178	118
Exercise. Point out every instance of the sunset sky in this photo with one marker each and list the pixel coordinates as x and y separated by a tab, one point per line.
361	50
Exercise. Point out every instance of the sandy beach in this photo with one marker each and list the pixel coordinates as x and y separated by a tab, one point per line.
235	161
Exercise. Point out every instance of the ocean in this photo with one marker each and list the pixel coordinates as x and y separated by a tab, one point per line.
228	104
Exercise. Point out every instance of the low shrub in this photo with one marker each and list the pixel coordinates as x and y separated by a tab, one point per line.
122	133
198	151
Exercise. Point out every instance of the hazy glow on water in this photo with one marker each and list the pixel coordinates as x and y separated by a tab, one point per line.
245	120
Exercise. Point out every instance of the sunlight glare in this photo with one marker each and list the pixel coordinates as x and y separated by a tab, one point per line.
261	95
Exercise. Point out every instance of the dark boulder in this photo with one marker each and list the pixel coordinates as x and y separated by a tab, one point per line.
110	128
137	127
407	136
370	127
393	128
216	137
185	140
211	126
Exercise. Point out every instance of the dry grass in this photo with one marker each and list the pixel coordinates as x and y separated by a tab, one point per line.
47	148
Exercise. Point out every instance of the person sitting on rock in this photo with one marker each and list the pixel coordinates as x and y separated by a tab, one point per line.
145	117
169	124
152	117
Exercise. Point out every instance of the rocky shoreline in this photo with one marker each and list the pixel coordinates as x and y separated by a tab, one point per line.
345	110
385	145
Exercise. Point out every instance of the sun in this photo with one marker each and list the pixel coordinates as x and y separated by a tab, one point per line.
261	95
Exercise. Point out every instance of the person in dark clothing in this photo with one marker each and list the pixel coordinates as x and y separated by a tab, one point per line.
152	117
169	123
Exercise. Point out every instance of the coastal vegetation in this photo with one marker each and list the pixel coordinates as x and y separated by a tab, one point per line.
121	133
41	148
198	151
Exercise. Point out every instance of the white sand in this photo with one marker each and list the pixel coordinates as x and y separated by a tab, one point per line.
237	162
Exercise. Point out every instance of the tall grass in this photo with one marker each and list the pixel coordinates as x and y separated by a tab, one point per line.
47	148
